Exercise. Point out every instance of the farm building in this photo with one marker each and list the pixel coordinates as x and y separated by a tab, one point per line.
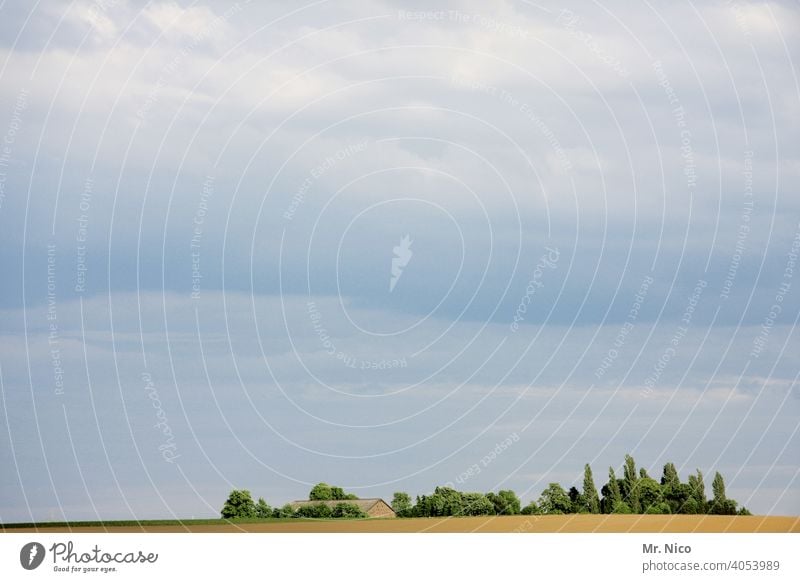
372	507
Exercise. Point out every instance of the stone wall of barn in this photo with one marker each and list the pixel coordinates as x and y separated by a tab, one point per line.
381	509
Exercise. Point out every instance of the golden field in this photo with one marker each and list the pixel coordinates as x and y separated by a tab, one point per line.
496	524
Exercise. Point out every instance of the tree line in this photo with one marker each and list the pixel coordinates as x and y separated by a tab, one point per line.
633	493
240	504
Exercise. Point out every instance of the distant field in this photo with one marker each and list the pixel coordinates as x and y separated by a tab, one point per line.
504	524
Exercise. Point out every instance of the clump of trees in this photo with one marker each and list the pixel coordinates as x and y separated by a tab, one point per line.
634	493
446	501
324	511
325	492
240	505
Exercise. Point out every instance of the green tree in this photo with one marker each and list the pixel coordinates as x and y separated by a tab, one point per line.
726	507
691	507
401	503
697	502
658	509
314	511
347	510
429	506
444	501
531	509
670	477
452	501
721	505
643	473
263	510
613	501
239	504
337	492
612	494
590	491
476	504
622	508
554	500
321	492
675	493
577	501
505	502
651	496
718	487
630	491
283	512
497	503
677	497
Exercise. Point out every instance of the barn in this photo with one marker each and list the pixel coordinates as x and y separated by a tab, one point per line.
372	507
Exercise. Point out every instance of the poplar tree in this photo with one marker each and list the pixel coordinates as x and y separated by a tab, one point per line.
670	476
613	495
590	491
721	504
630	478
697	502
718	487
613	487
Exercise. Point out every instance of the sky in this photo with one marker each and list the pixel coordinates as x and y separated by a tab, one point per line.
394	245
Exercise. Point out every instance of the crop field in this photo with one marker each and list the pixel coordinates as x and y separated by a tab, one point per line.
496	524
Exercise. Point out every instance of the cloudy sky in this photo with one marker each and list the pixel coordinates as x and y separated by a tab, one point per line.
261	245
